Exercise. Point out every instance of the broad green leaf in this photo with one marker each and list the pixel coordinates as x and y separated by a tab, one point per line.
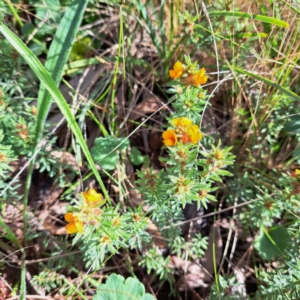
136	156
80	48
251	34
293	126
117	288
272	243
37	48
106	151
58	55
238	14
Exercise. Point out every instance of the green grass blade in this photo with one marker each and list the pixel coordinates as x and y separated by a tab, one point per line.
14	12
141	8
50	85
9	234
268	82
238	14
57	57
297	11
59	51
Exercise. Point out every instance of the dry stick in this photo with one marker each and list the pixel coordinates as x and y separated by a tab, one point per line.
30	262
33	297
228	77
244	255
212	31
228	238
233	248
226	249
212	214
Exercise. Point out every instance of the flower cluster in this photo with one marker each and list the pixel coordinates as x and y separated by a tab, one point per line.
189	75
182	130
89	208
74	224
296	174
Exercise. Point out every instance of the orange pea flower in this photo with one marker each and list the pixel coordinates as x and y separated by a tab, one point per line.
296	173
177	71
92	198
182	122
200	77
169	137
197	78
74	224
194	136
186	130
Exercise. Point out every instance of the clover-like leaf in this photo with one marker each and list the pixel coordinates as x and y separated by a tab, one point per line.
136	156
117	288
105	151
272	243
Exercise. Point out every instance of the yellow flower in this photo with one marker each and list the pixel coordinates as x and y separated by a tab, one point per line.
182	122
3	157
177	71
92	198
74	224
200	77
186	131
196	78
194	136
34	110
296	173
169	137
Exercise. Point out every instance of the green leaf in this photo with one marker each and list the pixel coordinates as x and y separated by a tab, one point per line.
9	234
58	55
238	14
80	48
37	48
136	156
293	126
49	11
296	154
105	150
272	243
116	289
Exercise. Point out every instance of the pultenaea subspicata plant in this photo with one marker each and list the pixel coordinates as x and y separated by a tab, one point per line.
102	229
190	173
189	176
88	212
